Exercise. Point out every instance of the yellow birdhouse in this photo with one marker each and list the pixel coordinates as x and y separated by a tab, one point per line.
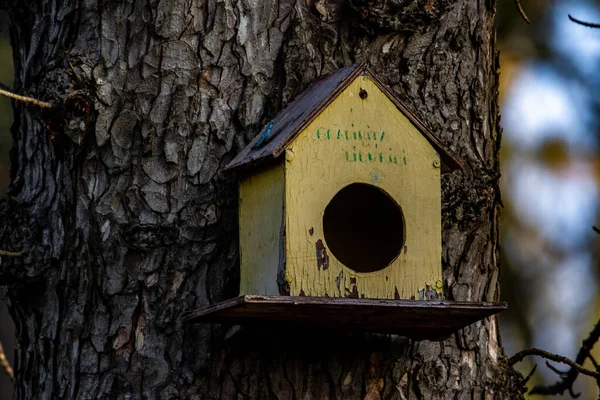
340	217
340	196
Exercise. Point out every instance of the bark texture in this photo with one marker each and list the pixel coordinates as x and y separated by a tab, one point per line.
119	201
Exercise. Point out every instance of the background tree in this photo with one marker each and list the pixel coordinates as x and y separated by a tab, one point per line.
125	220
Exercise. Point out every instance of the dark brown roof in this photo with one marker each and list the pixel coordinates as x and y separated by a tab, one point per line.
286	125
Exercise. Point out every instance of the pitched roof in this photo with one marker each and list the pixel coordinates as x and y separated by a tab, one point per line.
300	112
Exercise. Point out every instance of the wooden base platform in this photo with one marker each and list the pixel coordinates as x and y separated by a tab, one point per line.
412	318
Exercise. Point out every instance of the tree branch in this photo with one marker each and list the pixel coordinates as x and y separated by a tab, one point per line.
568	378
554	357
528	377
580	22
521	11
26	99
5	364
9	253
5	87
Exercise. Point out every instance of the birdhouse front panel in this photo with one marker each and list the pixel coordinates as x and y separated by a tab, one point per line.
362	202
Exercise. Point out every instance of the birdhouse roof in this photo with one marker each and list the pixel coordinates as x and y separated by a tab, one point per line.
283	129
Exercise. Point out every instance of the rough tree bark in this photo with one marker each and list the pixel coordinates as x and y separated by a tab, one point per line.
119	202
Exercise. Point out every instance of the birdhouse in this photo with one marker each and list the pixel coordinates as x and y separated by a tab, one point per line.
340	198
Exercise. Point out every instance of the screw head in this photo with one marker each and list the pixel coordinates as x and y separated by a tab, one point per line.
436	164
289	155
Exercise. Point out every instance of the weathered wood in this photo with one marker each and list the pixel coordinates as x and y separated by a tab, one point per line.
366	141
431	320
359	138
307	106
295	116
261	208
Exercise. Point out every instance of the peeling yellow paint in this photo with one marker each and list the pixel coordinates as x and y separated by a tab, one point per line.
261	215
376	176
344	145
289	155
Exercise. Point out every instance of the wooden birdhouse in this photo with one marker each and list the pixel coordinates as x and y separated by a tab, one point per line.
340	197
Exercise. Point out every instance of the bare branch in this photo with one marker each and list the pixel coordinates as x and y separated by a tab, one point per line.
580	22
5	87
554	357
568	378
9	253
521	11
528	377
26	99
596	230
5	364
556	370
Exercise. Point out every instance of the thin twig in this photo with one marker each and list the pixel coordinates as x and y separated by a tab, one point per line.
529	375
556	370
521	11
5	87
6	365
26	99
74	72
568	379
580	22
9	253
554	357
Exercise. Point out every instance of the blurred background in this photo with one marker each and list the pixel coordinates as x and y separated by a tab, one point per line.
550	105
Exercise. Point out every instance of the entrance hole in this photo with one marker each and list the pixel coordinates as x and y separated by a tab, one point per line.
363	227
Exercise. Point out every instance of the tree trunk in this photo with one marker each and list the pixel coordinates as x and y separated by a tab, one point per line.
126	220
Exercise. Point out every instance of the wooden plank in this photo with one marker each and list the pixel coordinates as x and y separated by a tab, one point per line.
299	112
261	230
411	318
368	141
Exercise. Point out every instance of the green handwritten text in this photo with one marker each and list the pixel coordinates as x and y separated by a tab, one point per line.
379	154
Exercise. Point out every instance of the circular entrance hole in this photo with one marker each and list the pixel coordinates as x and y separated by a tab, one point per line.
363	227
